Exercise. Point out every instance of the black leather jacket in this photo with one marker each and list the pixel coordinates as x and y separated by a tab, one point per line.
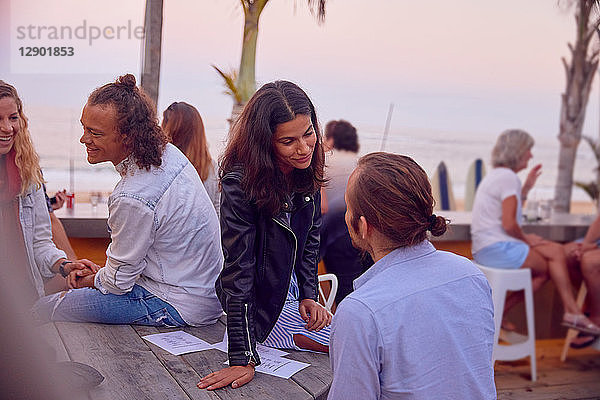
260	252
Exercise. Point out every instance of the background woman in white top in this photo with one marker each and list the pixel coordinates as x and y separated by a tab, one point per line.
497	238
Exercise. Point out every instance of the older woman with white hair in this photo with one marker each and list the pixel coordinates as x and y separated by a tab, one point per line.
497	238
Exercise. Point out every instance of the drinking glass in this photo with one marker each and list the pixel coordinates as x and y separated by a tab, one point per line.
95	198
531	210
545	209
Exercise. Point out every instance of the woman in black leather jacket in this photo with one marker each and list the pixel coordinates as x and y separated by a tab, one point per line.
271	174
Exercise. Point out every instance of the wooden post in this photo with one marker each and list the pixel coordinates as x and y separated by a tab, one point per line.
152	48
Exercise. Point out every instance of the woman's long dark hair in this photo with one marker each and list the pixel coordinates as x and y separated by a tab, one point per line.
251	148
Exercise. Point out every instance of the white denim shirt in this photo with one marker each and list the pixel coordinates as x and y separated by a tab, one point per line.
419	325
37	235
164	237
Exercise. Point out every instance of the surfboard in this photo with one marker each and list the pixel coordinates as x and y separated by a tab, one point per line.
474	177
441	187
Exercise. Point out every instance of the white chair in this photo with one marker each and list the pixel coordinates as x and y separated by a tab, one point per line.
501	281
328	300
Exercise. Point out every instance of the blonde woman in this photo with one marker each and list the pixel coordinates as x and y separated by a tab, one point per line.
497	238
23	210
183	126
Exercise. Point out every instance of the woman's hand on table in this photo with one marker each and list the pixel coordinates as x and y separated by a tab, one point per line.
235	376
314	314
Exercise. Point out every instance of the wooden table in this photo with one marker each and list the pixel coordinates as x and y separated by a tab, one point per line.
84	222
559	228
134	368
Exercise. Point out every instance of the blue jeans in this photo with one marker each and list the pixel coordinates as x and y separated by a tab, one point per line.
138	307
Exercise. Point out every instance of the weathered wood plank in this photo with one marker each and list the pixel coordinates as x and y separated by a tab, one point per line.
130	369
578	378
589	391
179	369
582	366
317	378
49	334
513	376
262	387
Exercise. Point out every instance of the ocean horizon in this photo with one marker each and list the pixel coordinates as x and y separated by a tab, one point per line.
56	132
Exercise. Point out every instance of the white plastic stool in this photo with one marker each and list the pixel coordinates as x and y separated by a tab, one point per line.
501	281
328	300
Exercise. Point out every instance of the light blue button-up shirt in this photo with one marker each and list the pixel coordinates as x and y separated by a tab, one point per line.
164	237
419	325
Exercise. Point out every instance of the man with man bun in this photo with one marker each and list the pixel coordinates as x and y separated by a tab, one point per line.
420	322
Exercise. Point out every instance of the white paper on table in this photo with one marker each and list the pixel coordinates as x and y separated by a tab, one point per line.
263	351
269	352
178	342
279	366
222	345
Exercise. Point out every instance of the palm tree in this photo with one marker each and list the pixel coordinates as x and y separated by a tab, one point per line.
241	84
152	48
580	74
592	188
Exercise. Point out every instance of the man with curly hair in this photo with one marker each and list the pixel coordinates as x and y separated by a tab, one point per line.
165	251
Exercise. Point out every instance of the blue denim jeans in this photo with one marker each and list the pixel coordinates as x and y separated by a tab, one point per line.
138	307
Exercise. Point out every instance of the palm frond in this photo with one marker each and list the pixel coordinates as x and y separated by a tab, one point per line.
595	146
590	188
317	8
229	79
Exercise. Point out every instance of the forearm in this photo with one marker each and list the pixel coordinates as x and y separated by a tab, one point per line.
116	278
47	255
240	333
515	231
524	193
59	237
593	233
55	268
133	228
235	285
509	218
307	273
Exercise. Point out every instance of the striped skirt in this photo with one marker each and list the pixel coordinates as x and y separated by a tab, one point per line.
290	323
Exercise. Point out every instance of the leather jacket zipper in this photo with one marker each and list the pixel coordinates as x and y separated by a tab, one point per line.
295	241
294	260
249	352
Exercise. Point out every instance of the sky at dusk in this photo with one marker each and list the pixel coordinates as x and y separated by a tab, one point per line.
465	66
